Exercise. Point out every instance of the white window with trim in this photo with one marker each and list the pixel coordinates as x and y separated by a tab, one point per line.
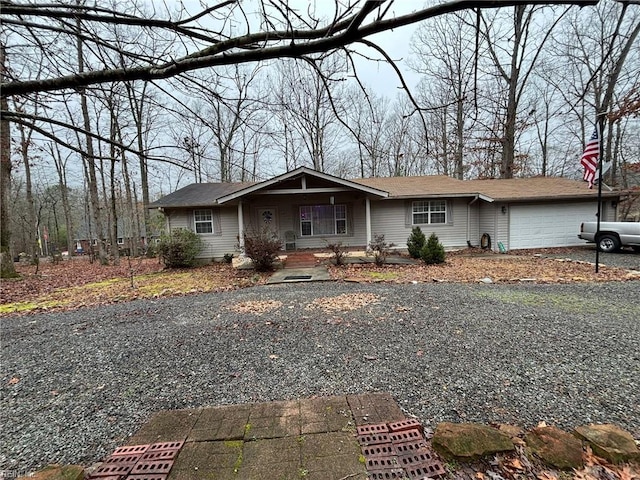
120	241
429	212
318	220
203	220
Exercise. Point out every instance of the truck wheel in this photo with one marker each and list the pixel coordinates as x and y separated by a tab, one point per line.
608	243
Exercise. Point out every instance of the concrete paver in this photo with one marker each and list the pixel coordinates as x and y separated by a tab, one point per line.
167	426
380	408
220	423
211	460
310	438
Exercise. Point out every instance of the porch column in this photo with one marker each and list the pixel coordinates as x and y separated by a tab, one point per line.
240	226
367	214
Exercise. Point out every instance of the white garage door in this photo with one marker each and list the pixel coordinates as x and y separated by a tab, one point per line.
540	226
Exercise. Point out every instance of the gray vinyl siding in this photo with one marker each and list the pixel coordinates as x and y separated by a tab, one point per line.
224	238
502	227
487	222
473	229
389	217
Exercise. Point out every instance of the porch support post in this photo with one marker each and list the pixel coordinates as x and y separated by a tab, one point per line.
240	226
367	208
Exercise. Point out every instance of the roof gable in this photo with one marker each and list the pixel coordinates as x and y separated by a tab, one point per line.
310	181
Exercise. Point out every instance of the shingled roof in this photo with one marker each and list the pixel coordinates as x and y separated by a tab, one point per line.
199	195
516	189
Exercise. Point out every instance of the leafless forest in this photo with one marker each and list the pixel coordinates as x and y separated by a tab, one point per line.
106	105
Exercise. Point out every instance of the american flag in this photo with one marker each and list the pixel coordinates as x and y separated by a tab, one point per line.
589	159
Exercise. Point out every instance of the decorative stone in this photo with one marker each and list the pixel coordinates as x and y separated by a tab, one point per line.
468	441
609	442
555	447
511	430
486	280
58	472
514	433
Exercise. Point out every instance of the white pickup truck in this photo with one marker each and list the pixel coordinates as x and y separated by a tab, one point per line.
612	235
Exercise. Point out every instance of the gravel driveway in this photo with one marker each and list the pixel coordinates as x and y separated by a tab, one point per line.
74	385
625	258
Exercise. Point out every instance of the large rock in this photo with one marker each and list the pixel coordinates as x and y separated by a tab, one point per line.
58	472
555	447
467	441
609	442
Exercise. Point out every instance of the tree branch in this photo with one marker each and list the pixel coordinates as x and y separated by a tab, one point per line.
240	49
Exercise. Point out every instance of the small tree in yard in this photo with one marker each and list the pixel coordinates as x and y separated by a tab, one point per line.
262	248
433	252
180	249
416	242
380	249
339	252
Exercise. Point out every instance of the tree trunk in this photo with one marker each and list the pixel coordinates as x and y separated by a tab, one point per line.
32	237
509	136
64	194
459	166
92	181
137	109
113	230
132	233
7	268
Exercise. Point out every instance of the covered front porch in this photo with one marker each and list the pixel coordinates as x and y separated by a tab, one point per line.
306	209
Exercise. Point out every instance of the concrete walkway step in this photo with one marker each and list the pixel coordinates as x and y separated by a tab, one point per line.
292	275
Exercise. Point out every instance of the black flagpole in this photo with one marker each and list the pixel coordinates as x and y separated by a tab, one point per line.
600	145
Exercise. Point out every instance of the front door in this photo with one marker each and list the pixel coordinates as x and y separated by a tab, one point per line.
268	220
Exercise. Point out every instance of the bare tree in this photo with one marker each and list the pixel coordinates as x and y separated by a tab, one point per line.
229	102
26	144
7	269
445	52
208	47
38	37
63	184
311	105
599	65
515	53
366	114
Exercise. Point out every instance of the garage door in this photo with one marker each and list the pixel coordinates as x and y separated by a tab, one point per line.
539	226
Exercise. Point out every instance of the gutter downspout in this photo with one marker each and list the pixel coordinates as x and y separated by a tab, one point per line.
469	216
240	226
367	209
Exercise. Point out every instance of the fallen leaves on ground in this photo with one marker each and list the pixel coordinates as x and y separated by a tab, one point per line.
76	283
520	465
343	303
498	268
257	307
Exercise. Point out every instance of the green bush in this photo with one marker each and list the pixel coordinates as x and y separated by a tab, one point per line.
262	248
433	252
380	249
180	249
416	242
